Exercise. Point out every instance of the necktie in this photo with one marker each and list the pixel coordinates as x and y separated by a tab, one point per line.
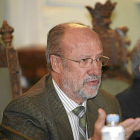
80	113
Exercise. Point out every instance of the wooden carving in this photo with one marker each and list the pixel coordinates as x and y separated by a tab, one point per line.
9	58
113	40
3	62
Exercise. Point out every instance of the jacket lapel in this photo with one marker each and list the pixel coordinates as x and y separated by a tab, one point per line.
59	113
92	116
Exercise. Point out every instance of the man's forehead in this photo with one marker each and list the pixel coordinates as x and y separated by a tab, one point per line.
80	36
89	55
80	33
80	39
84	51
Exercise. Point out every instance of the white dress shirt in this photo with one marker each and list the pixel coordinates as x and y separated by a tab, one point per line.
69	105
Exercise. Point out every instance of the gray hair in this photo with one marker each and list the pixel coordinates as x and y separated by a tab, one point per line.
135	59
54	41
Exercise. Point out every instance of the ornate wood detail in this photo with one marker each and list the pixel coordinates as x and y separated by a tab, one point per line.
3	61
9	58
114	41
6	32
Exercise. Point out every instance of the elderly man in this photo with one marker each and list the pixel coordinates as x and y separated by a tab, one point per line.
67	104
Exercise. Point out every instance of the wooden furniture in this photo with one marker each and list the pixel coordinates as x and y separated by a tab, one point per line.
10	86
114	44
14	132
33	64
9	58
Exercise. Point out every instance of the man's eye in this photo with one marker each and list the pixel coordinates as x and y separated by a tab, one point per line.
99	59
83	60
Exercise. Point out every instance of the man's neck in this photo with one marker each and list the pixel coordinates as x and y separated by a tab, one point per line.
73	96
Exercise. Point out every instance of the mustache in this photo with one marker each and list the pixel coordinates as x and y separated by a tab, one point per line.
92	77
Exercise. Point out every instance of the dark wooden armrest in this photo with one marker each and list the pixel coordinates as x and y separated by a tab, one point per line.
16	132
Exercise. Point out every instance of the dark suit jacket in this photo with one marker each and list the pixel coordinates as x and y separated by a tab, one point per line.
40	114
130	104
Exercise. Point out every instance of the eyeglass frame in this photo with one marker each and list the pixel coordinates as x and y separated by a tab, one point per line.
82	59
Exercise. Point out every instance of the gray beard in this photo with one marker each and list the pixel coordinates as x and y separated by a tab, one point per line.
83	93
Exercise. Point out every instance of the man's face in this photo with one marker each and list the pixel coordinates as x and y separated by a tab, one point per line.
80	83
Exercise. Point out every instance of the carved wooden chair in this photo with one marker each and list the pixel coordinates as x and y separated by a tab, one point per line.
10	86
115	77
32	62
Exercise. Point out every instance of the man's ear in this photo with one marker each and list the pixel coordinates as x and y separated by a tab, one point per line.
55	63
139	69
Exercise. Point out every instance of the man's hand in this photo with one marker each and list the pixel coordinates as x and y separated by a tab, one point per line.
130	125
99	124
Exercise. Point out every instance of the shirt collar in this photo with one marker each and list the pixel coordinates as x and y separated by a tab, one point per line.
68	103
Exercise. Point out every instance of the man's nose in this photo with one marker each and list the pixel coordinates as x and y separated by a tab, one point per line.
95	68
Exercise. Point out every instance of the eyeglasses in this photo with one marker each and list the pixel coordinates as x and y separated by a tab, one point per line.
87	62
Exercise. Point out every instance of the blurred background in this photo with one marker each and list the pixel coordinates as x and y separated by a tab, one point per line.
32	19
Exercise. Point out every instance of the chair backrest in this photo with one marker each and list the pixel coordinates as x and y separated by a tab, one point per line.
10	86
32	62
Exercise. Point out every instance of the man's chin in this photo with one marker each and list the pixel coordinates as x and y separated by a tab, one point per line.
89	95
